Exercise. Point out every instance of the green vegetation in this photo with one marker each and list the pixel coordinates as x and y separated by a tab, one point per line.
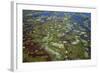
56	36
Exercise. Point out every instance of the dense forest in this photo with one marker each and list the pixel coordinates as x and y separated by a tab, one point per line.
56	36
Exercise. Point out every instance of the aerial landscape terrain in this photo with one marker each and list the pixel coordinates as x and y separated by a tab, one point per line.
56	36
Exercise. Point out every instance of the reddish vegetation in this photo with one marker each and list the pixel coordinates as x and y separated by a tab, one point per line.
35	50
